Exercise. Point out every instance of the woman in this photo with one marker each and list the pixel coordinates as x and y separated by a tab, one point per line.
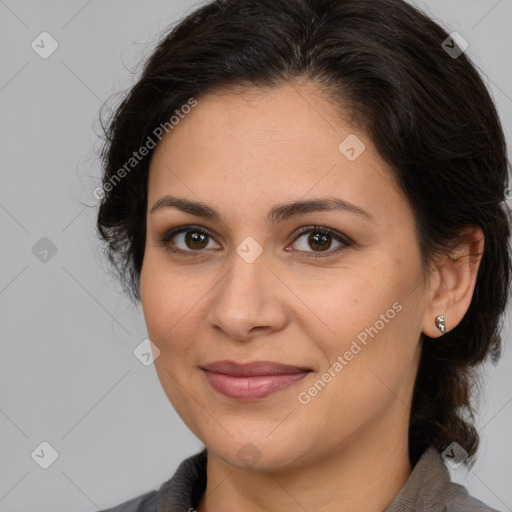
307	197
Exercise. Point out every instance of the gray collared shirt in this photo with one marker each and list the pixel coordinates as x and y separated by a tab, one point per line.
428	489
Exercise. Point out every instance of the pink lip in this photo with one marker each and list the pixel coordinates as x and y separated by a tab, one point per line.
251	381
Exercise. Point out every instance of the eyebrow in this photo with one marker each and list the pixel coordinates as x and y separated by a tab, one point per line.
276	214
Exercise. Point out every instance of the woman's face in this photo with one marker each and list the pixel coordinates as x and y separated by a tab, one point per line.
249	287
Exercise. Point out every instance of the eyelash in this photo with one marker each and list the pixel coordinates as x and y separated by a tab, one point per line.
166	239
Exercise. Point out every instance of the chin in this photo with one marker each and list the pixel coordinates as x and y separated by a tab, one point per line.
257	454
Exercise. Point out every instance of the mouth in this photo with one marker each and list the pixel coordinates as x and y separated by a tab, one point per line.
252	381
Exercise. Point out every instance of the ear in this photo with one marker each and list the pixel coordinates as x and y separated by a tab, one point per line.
453	281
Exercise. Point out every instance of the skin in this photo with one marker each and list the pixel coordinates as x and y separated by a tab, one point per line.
242	151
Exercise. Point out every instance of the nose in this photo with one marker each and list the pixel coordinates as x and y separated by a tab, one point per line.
249	300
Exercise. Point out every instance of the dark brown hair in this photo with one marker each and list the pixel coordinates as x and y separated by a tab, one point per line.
427	112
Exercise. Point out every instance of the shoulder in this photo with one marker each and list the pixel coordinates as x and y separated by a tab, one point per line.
462	501
143	503
180	492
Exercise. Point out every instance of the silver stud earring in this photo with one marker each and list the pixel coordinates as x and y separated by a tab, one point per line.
441	323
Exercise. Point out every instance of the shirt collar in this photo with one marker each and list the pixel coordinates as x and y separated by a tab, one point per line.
185	489
427	488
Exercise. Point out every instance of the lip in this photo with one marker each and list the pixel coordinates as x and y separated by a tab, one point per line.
252	381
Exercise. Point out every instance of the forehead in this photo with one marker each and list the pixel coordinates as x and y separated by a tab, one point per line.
288	113
283	141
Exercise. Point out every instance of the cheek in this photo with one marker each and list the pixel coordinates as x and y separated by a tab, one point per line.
174	302
166	299
369	372
356	305
374	318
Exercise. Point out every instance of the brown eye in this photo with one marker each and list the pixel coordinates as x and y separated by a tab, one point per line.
320	240
195	239
187	240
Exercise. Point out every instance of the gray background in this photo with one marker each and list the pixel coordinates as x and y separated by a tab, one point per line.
68	373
